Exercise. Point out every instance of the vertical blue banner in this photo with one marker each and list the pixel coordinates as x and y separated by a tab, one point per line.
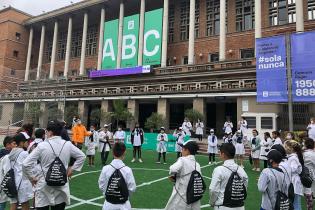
303	66
271	69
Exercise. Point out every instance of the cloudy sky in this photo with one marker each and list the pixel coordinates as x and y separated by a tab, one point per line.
36	7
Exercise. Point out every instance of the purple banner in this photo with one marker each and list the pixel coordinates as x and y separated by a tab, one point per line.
119	72
303	67
271	69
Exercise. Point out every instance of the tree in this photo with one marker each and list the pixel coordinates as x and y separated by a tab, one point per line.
70	111
155	121
193	115
98	115
121	112
32	113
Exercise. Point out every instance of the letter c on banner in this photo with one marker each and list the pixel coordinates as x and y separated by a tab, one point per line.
130	46
155	50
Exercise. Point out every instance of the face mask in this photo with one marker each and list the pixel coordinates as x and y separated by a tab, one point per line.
91	129
119	129
289	137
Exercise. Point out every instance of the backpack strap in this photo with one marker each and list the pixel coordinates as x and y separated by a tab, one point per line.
117	168
54	150
231	169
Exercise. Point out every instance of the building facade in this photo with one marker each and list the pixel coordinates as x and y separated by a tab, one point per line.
207	60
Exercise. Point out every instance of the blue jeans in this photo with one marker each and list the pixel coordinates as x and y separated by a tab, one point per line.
2	206
297	202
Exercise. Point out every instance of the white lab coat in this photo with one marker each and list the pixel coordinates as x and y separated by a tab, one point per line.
126	172
182	168
161	145
311	131
187	127
199	128
277	141
46	195
179	140
309	161
90	147
120	136
212	145
265	147
24	186
296	169
102	139
228	127
3	197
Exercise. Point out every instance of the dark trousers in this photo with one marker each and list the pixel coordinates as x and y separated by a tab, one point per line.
265	164
61	206
137	150
72	160
164	156
211	157
199	137
104	156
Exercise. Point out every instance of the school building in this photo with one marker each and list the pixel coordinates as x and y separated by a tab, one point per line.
206	59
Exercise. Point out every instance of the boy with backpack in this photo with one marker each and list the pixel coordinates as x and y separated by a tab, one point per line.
15	184
52	187
189	185
223	196
272	183
116	181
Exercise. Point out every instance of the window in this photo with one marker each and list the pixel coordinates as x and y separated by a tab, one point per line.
311	9
213	57
185	60
62	44
251	122
245	15
266	123
171	21
15	53
91	42
17	36
12	72
281	12
213	17
247	53
48	51
60	74
197	13
76	43
184	20
74	72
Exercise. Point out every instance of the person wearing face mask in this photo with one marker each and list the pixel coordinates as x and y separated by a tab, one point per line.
161	145
79	133
290	136
255	147
91	143
311	129
187	127
276	138
119	135
23	185
137	137
199	129
212	146
103	143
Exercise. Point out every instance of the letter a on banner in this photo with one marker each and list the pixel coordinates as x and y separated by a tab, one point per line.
110	45
271	69
152	39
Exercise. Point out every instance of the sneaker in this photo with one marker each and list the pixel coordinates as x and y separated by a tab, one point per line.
140	160
133	160
210	163
214	163
158	162
164	163
253	169
258	169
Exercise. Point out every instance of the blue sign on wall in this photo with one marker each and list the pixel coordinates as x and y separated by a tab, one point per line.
303	66
271	69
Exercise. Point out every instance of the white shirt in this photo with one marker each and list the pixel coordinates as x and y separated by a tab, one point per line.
3	196
162	137
120	135
243	126
137	137
44	153
212	143
126	172
296	169
187	127
102	136
36	141
309	161
228	127
220	177
311	131
277	141
199	128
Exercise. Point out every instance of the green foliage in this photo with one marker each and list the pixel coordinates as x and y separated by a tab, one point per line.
32	113
155	121
97	115
193	115
70	111
121	112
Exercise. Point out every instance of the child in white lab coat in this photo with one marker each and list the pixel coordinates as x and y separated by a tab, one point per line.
91	144
161	145
212	146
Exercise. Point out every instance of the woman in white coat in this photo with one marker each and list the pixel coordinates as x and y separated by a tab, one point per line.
199	129
180	174
212	146
179	135
187	126
162	139
243	126
265	144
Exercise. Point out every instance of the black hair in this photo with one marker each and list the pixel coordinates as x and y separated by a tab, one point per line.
28	128
119	149
39	133
280	149
19	138
309	143
292	134
55	127
256	131
8	140
276	133
93	124
267	134
228	149
192	147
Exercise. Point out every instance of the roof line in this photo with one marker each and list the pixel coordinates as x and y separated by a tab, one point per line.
17	10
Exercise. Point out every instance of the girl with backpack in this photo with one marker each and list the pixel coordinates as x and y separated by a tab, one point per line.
255	149
295	161
212	146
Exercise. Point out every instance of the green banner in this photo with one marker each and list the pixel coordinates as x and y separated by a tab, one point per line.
129	54
152	37
150	141
110	45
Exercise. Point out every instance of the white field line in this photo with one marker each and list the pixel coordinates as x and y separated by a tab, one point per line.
90	201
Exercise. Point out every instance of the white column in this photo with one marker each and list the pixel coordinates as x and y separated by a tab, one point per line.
68	49
191	42
53	53
222	31
29	54
83	48
299	16
120	32
165	34
257	19
41	52
141	32
101	40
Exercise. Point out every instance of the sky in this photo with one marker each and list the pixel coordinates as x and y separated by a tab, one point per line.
36	7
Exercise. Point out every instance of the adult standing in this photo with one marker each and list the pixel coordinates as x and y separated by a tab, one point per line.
255	149
199	129
265	144
119	135
228	126
311	129
47	196
79	133
187	127
103	143
179	135
137	138
276	138
243	126
309	162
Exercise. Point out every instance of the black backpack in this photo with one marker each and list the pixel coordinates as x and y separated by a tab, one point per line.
235	191
306	177
282	200
57	173
291	194
8	183
117	191
239	140
196	187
